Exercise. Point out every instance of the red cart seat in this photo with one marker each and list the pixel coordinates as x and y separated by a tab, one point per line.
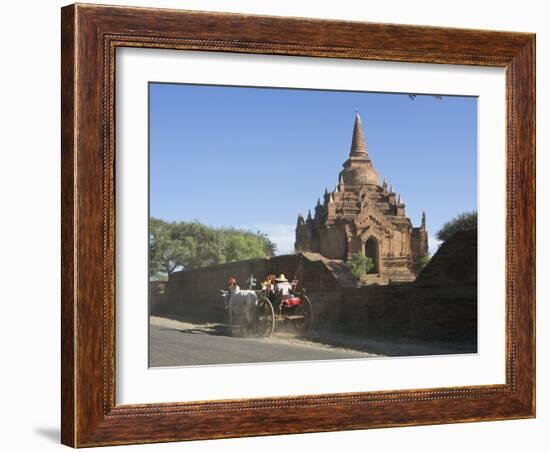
292	301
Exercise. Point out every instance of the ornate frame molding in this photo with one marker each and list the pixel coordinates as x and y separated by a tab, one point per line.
90	37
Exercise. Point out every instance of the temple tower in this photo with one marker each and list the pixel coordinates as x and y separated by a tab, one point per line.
363	216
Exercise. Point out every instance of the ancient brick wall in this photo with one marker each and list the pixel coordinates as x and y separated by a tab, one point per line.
454	263
334	243
196	293
447	313
441	305
157	299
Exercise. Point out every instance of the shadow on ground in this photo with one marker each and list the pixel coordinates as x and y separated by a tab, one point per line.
393	347
210	328
389	346
50	433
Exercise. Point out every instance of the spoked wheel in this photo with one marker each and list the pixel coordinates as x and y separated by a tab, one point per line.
305	311
265	318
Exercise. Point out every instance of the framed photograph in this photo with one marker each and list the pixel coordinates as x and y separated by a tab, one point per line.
282	225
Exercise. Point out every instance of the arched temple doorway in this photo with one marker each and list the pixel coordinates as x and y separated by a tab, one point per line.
372	248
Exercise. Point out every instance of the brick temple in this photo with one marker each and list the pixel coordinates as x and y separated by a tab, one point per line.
363	216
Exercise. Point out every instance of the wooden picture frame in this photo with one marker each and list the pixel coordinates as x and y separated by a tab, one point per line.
90	36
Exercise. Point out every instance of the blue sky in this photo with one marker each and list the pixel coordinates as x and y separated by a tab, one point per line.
254	158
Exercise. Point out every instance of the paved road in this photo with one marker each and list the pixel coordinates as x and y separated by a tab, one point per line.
175	343
179	343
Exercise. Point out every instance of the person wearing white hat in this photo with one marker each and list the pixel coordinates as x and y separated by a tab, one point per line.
282	286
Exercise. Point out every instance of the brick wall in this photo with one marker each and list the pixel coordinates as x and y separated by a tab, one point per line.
441	305
196	293
446	313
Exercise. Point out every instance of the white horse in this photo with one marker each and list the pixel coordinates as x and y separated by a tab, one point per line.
241	305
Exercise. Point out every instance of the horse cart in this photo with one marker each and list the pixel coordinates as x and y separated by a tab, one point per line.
260	312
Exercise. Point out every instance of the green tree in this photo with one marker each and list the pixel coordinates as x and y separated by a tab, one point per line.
462	222
424	260
187	245
202	245
242	245
166	253
360	264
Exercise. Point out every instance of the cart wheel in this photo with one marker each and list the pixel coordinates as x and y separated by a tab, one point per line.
306	311
265	318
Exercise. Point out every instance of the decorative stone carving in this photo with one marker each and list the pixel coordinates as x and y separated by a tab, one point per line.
361	208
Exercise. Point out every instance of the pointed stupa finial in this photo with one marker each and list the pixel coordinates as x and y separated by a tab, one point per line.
330	199
391	188
385	183
358	146
423	219
326	191
309	215
336	189
318	202
398	199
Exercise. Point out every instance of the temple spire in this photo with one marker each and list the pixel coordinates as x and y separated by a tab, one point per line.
358	147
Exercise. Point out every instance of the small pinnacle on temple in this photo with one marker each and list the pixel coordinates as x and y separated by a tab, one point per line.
358	146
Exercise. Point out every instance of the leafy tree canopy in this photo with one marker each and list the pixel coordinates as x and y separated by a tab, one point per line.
189	245
360	264
462	222
425	260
